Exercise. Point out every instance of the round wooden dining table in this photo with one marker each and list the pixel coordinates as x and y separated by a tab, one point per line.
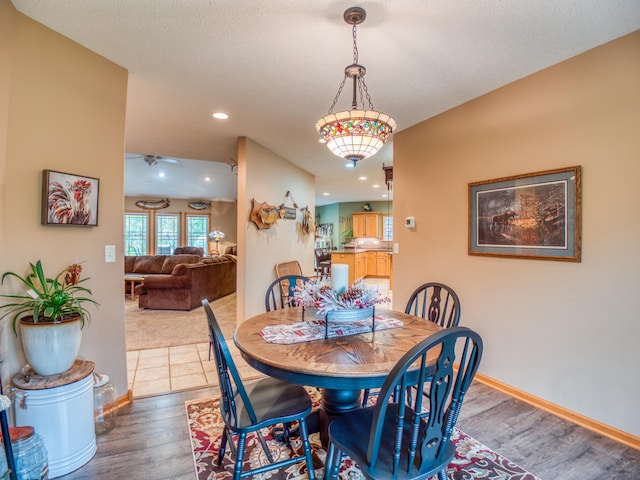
341	366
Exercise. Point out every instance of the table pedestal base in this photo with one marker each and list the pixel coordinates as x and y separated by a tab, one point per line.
334	404
339	402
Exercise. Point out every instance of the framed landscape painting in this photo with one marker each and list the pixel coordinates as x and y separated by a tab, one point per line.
69	199
535	215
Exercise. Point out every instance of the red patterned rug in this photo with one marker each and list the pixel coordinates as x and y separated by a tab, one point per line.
473	460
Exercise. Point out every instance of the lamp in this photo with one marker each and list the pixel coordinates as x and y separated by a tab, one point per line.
216	235
357	133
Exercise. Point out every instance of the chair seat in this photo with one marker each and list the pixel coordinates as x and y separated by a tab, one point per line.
351	433
273	398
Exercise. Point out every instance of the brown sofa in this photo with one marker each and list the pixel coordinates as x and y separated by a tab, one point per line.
156	264
191	250
183	286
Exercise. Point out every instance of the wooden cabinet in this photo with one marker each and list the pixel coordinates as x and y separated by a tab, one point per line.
363	264
378	264
382	264
360	266
367	224
371	263
357	263
359	225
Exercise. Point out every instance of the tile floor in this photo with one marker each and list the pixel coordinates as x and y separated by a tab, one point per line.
162	370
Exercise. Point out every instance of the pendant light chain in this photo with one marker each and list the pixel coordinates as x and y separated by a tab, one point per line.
335	100
362	87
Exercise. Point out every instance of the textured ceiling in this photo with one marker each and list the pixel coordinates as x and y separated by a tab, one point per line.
274	66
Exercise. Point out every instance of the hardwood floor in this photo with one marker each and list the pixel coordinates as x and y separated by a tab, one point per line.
151	441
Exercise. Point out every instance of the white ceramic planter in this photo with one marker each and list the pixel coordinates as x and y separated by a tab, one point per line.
51	348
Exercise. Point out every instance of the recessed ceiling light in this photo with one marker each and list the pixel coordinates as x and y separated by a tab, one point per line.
375	186
326	194
161	174
207	179
362	178
384	195
220	116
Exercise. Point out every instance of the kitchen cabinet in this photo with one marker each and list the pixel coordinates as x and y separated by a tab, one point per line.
371	263
383	263
378	264
357	263
360	266
364	264
367	224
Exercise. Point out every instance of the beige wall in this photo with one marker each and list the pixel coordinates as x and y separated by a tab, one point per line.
565	332
7	22
267	177
222	215
62	107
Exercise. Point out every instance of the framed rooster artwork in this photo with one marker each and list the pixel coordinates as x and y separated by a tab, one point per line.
69	199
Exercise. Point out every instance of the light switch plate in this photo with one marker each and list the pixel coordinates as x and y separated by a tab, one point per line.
109	253
396	248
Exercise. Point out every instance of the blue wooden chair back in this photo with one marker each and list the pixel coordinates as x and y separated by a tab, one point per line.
411	438
274	402
435	302
280	292
231	387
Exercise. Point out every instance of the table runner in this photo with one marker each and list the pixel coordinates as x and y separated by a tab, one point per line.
289	333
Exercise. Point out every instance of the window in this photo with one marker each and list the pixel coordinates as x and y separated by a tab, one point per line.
167	233
136	234
387	226
198	231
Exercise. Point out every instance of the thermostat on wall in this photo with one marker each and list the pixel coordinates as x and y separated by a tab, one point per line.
410	222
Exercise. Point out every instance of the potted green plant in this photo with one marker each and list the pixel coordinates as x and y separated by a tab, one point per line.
51	314
347	235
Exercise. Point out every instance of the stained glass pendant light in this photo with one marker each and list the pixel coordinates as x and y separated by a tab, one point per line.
355	134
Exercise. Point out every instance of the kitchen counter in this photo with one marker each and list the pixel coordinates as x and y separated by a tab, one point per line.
364	262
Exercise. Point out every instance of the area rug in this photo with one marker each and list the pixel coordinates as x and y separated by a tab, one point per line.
145	329
473	460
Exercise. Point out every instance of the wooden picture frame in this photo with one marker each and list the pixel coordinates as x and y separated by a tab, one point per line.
69	199
535	215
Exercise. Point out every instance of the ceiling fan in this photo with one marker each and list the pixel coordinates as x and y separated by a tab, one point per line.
152	160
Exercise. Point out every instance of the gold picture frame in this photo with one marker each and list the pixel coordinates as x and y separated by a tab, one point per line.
534	215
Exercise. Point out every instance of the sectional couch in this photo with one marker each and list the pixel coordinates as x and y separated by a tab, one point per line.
180	282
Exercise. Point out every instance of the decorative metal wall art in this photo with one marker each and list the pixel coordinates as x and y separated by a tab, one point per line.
308	223
263	214
153	204
199	205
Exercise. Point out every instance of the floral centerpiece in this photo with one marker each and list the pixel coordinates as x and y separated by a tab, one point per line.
324	299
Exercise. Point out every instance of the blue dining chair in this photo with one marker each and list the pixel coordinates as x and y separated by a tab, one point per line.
411	439
280	293
250	408
435	302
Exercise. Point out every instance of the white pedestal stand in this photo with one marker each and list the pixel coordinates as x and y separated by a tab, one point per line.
60	408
